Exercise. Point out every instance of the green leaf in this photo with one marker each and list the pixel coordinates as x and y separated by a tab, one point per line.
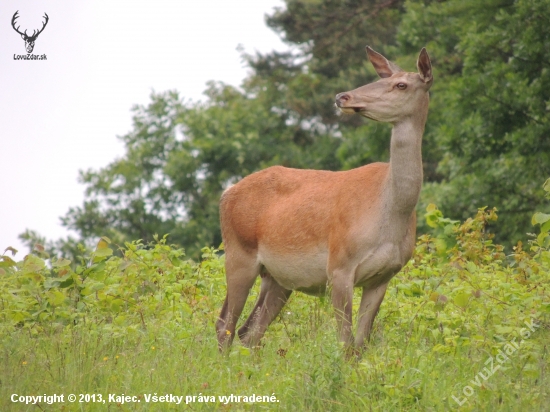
116	304
88	290
471	266
539	218
461	300
433	216
103	252
6	262
119	320
50	283
244	351
431	207
106	239
33	263
542	237
103	243
61	262
440	245
66	281
19	316
56	298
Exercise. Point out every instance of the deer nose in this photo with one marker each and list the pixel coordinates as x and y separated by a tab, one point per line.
342	98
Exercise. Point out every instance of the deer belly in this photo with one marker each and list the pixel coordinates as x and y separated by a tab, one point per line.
379	267
306	272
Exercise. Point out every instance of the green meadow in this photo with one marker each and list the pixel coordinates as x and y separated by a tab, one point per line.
464	326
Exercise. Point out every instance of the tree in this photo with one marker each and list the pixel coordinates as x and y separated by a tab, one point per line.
486	141
490	112
180	156
328	39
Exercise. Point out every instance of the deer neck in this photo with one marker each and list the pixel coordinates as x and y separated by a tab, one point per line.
405	178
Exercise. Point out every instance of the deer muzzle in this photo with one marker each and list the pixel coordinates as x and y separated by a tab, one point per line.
342	101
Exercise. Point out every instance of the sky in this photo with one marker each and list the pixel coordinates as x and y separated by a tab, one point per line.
63	114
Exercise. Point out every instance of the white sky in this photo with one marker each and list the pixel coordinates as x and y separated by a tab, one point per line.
62	115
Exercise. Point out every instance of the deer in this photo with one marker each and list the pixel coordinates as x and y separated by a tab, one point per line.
322	232
29	40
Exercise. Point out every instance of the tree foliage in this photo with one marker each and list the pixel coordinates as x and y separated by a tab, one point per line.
486	141
179	158
491	104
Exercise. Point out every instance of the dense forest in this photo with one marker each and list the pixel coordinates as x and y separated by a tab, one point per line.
486	142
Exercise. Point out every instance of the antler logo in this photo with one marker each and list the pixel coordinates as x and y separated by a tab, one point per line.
29	40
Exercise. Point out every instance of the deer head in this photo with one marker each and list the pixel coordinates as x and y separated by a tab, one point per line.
29	40
395	96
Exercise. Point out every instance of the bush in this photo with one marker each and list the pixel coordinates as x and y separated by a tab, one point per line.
143	323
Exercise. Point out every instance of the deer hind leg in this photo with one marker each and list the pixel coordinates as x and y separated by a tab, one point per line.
368	309
272	299
243	330
241	272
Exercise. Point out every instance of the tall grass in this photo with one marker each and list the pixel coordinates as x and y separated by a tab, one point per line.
143	325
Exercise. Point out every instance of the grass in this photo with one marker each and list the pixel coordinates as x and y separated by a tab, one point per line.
446	338
301	365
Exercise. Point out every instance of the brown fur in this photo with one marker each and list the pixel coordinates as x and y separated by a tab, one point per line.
308	229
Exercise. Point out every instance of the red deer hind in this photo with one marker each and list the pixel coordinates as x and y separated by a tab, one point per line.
309	230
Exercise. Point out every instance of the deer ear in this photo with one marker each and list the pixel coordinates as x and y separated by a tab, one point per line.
424	66
383	66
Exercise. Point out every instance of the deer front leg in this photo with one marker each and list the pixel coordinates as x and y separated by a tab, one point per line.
370	303
342	298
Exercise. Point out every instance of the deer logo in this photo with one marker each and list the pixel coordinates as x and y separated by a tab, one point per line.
29	40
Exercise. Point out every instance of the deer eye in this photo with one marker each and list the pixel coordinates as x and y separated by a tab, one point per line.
401	86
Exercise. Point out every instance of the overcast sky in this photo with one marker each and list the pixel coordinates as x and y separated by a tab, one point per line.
63	114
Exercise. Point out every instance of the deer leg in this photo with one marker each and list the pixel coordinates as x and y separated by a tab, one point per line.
370	303
342	297
264	288
241	272
272	299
